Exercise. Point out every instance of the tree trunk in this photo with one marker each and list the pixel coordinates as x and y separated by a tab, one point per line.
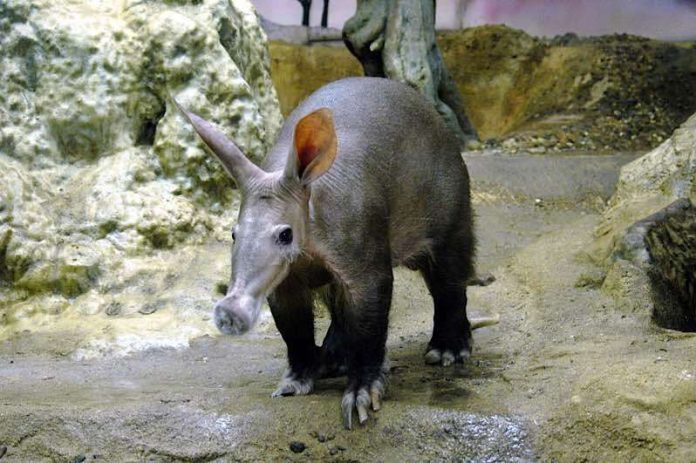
396	39
325	14
306	7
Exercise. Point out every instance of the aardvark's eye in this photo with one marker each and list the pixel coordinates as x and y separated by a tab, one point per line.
285	236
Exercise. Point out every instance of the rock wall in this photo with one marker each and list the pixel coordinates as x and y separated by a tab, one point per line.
525	93
299	70
102	180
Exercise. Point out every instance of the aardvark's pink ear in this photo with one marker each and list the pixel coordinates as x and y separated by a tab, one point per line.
314	146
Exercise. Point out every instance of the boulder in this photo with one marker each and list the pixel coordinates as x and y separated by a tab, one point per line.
647	237
99	170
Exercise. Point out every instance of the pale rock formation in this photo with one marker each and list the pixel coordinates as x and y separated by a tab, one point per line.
99	170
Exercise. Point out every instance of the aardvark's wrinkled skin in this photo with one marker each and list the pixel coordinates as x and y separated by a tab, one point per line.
364	177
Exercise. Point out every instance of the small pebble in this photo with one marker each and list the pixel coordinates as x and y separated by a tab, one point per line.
148	309
321	437
79	459
114	309
3	450
334	451
297	446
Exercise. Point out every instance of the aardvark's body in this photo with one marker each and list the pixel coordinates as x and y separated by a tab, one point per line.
365	176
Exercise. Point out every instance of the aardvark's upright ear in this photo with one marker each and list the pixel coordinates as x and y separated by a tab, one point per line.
314	147
232	159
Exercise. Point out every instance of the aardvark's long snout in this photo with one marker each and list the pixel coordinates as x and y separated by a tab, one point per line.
236	314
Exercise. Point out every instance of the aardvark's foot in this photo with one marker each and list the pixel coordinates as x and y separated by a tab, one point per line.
362	394
293	384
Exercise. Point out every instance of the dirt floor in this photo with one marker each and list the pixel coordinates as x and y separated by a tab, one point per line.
564	376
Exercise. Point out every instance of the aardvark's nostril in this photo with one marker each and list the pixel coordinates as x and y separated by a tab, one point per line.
229	322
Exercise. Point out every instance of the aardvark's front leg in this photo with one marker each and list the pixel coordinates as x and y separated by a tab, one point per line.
291	306
364	321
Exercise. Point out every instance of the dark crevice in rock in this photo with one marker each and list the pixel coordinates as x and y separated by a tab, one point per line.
229	36
5	274
148	128
221	288
12	268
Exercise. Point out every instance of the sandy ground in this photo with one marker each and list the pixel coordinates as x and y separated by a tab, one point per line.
565	376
